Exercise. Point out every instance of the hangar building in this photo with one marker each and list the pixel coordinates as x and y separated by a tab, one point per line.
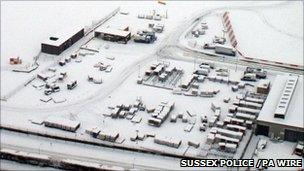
282	113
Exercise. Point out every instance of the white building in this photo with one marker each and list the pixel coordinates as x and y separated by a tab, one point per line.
282	112
61	123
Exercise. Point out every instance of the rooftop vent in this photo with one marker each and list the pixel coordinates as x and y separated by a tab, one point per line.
286	96
53	38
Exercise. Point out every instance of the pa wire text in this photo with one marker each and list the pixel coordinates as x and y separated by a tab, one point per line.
297	163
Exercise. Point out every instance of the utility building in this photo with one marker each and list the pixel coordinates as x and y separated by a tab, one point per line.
59	42
282	113
114	35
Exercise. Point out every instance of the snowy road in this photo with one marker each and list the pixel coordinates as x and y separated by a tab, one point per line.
175	48
170	48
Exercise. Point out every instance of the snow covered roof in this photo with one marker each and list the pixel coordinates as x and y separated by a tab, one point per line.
294	113
286	96
62	36
62	121
113	31
223	46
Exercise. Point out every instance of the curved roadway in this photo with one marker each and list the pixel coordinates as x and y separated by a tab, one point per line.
168	48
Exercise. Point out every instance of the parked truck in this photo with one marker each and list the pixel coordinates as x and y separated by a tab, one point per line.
249	77
145	37
72	85
225	50
208	46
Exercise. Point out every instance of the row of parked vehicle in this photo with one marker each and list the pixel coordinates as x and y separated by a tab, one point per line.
252	74
144	36
52	88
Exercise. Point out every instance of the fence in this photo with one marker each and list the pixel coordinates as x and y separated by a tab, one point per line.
102	21
229	29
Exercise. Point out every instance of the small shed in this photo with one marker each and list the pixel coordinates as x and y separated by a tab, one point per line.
62	123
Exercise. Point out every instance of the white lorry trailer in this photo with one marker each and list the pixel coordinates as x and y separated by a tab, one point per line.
225	50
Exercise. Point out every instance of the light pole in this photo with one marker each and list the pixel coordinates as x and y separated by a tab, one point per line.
236	64
138	71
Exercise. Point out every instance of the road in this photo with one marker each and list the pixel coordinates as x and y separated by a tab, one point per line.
169	48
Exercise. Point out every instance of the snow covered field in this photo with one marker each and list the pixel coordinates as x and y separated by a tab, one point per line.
277	32
78	17
88	102
132	53
17	17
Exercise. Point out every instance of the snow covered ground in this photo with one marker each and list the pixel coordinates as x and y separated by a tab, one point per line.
276	30
25	24
274	33
78	16
126	93
215	28
18	17
87	102
277	150
132	53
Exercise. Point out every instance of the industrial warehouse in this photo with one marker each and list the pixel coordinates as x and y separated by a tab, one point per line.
59	42
141	85
282	115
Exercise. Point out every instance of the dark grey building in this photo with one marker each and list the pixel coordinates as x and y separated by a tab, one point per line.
56	44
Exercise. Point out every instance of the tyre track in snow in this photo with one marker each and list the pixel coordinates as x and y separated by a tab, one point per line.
277	29
266	21
171	39
100	94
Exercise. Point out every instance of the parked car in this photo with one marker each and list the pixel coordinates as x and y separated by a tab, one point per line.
299	150
249	77
208	46
51	88
158	28
210	64
48	91
56	88
62	62
260	73
72	85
